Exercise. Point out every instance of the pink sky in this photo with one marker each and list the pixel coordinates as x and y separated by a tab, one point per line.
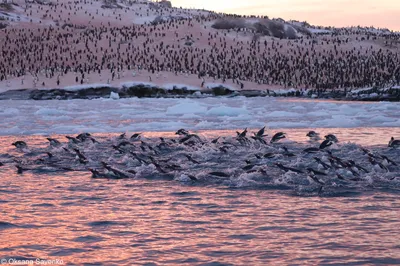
378	13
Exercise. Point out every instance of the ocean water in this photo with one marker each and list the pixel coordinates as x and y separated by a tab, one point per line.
72	217
136	222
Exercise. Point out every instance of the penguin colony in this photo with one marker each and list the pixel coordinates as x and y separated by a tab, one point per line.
69	43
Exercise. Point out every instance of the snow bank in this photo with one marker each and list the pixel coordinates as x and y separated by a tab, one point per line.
114	96
86	86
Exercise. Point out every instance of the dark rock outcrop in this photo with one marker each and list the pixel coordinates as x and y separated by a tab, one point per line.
165	3
148	91
6	7
263	27
111	4
229	23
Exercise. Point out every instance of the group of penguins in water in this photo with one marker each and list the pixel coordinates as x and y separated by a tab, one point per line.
120	157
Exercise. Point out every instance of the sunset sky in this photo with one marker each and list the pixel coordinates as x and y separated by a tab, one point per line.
379	13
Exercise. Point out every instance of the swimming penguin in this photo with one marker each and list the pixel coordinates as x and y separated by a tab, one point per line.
315	172
332	138
377	164
219	174
54	142
358	167
182	132
20	169
287	153
311	150
326	143
122	136
312	178
189	157
278	136
312	134
135	136
260	133
323	164
113	171
109	175
96	173
73	140
287	169
192	177
81	157
337	160
20	144
269	155
388	161
84	136
339	176
188	178
118	149
124	144
248	167
260	139
259	136
158	166
190	140
394	143
242	134
140	159
215	141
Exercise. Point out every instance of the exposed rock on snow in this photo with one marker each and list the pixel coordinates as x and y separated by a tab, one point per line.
263	27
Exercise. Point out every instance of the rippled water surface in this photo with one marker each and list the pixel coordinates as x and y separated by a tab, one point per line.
81	220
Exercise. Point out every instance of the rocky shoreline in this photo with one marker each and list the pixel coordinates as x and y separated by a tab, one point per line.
149	91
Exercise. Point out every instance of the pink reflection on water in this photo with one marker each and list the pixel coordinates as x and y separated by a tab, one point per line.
163	222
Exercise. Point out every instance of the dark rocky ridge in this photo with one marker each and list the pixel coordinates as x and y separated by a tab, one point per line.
111	4
146	91
263	27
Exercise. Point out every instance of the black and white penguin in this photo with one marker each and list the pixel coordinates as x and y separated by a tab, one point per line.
326	143
311	150
182	132
242	134
54	142
332	138
287	169
135	136
278	136
312	134
394	143
260	133
20	144
312	176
